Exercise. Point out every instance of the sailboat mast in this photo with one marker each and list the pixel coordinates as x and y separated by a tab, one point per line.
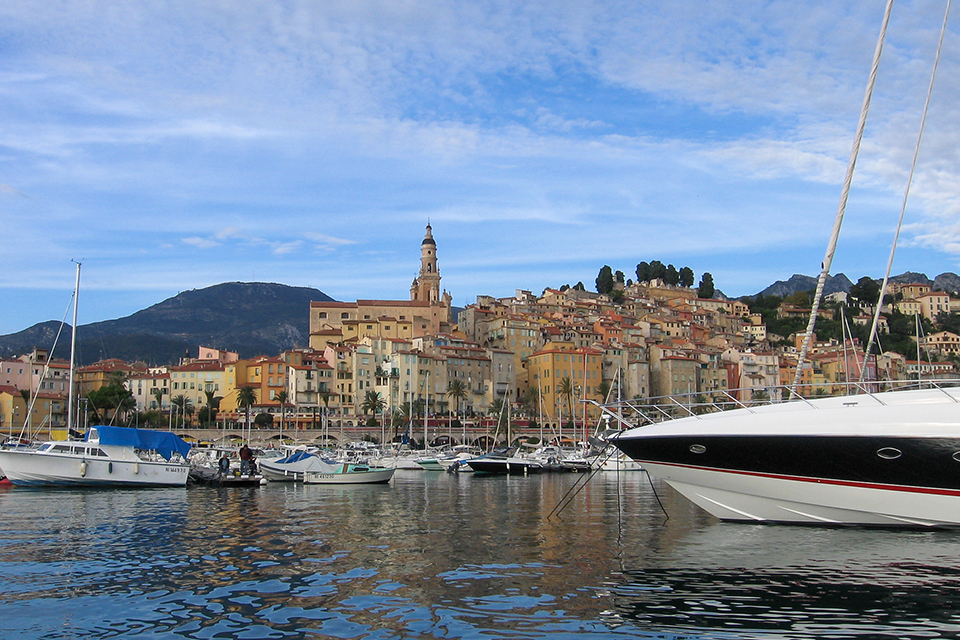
73	351
841	209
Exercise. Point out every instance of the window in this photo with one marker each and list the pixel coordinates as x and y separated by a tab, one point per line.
344	316
323	314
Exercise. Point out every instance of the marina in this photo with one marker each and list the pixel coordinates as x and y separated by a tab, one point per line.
454	556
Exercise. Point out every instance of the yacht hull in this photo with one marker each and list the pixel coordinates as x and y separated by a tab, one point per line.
884	459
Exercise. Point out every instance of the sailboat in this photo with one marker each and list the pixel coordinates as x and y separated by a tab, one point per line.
107	456
887	458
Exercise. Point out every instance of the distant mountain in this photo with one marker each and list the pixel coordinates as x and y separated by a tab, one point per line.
798	282
949	282
251	318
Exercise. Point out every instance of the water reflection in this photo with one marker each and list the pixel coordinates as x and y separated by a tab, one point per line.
434	555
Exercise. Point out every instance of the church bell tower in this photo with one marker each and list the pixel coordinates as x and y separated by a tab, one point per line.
426	286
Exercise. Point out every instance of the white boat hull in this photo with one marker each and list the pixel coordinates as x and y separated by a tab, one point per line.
762	498
883	459
32	469
372	476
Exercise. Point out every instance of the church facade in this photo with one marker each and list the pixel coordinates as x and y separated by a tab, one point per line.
426	312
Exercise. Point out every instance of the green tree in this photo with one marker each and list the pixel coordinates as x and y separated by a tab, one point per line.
603	389
565	389
657	270
457	391
283	398
605	281
158	393
183	405
530	401
866	291
111	397
706	290
372	403
212	407
643	272
686	277
801	299
671	276
246	398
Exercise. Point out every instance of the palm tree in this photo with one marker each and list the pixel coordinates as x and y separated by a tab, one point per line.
372	403
282	397
603	389
183	404
325	396
458	391
158	393
213	405
247	397
565	389
25	394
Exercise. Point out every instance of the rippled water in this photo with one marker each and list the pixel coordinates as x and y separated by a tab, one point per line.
437	555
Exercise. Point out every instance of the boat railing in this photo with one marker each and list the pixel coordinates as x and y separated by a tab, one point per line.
626	414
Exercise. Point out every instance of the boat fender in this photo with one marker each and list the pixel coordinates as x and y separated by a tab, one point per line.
136	467
83	469
109	467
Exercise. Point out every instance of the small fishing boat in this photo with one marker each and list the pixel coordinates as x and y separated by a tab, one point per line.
346	473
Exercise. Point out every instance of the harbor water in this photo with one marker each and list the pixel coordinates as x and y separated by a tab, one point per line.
435	555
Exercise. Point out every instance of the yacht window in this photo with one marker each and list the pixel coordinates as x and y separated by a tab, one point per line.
100	453
46	447
61	448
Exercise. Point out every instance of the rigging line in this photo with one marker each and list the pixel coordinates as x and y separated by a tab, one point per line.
25	431
844	193
655	494
576	488
906	192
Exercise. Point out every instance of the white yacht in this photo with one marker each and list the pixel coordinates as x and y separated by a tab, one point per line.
107	456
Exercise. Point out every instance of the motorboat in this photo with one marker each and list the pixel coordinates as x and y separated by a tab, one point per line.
456	456
347	473
309	468
292	467
505	461
874	458
107	456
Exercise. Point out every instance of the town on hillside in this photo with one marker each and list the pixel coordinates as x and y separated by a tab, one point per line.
387	369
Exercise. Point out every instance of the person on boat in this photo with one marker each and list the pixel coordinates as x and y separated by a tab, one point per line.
245	457
224	464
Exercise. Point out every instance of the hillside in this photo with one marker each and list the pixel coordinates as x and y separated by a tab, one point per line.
252	318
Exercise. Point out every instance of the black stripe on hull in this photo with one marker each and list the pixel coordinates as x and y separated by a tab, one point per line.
892	461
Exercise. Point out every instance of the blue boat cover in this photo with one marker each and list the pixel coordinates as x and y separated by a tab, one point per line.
163	442
296	456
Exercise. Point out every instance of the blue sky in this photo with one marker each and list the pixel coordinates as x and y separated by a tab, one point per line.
176	145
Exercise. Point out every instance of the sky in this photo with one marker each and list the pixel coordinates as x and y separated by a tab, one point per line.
175	145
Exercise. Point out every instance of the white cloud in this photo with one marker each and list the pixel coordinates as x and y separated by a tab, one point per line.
201	243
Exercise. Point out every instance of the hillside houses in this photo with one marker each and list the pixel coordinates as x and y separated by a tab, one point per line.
545	357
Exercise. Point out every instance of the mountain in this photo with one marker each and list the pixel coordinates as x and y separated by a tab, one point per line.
251	318
949	282
798	282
